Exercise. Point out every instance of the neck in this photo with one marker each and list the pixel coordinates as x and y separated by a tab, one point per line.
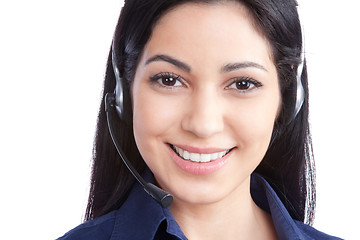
234	216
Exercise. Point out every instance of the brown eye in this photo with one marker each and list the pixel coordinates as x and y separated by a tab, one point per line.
244	84
167	80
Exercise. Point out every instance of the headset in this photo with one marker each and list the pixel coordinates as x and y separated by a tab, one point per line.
117	98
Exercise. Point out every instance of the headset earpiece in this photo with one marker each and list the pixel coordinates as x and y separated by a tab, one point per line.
300	92
120	85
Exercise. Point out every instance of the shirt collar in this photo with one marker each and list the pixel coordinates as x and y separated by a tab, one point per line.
146	214
266	198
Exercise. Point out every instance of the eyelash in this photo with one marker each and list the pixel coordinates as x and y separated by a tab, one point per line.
157	79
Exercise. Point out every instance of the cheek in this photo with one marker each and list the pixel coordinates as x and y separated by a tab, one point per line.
152	114
253	124
154	120
145	122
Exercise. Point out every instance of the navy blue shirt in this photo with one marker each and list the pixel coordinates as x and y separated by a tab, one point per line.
142	218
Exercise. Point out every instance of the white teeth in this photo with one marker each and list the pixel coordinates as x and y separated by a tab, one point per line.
214	156
186	155
180	151
197	157
194	157
205	157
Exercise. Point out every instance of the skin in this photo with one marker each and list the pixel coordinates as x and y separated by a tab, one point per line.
205	109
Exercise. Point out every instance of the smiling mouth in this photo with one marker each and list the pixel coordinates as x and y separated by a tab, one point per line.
199	157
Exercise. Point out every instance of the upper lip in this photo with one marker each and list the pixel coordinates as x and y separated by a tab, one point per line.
207	150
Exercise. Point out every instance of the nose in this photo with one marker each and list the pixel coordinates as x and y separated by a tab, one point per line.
204	117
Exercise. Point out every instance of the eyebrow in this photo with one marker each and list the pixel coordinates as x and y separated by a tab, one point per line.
226	68
170	60
235	66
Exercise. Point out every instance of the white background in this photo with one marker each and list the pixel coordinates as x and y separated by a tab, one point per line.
52	63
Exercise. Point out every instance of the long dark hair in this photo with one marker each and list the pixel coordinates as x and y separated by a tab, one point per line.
288	164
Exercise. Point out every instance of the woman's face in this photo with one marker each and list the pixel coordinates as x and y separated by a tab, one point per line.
205	98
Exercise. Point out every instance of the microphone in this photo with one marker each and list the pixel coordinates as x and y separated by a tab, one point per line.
162	197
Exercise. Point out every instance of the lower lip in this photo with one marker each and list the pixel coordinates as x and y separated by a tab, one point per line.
199	168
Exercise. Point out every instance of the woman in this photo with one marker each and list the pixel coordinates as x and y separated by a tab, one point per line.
212	105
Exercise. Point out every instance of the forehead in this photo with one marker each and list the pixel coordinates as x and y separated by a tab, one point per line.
216	30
